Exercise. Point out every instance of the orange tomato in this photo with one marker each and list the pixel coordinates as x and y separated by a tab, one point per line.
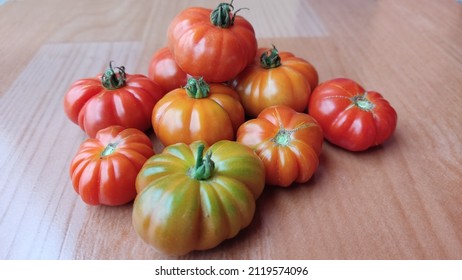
275	78
104	169
198	112
288	142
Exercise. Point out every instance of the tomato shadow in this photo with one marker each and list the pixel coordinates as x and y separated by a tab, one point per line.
389	144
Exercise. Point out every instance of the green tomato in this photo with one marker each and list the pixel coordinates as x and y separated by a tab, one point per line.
187	201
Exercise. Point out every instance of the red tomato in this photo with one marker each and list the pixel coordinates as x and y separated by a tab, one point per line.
104	169
198	112
112	99
351	117
288	142
275	78
215	45
165	72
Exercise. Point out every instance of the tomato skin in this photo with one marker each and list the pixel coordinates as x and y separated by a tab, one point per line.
105	175
164	70
288	84
176	213
351	117
215	53
288	142
93	106
178	117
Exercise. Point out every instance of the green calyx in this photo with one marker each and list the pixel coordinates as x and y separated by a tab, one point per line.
112	80
109	149
222	15
362	102
197	88
204	167
283	137
270	59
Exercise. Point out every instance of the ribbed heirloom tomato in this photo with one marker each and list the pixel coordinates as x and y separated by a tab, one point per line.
275	78
104	169
193	197
215	45
164	70
198	112
288	142
351	117
112	99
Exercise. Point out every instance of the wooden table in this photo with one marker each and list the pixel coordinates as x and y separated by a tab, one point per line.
402	200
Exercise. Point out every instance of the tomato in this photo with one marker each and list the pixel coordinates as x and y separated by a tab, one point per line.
165	72
275	78
288	142
187	201
104	169
112	99
215	45
351	117
198	112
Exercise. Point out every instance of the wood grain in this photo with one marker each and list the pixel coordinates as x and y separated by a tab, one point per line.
402	200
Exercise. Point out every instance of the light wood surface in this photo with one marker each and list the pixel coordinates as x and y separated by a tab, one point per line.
402	200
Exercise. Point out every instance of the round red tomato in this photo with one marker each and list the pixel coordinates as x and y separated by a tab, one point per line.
104	169
198	112
351	117
215	45
275	78
112	99
288	142
164	70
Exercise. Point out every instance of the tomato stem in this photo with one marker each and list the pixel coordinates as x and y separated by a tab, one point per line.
204	165
222	15
109	149
197	88
362	102
111	80
270	58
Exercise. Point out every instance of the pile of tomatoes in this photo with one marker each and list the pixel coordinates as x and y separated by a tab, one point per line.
233	118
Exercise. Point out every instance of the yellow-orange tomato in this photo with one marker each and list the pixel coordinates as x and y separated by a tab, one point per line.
275	78
288	142
198	112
